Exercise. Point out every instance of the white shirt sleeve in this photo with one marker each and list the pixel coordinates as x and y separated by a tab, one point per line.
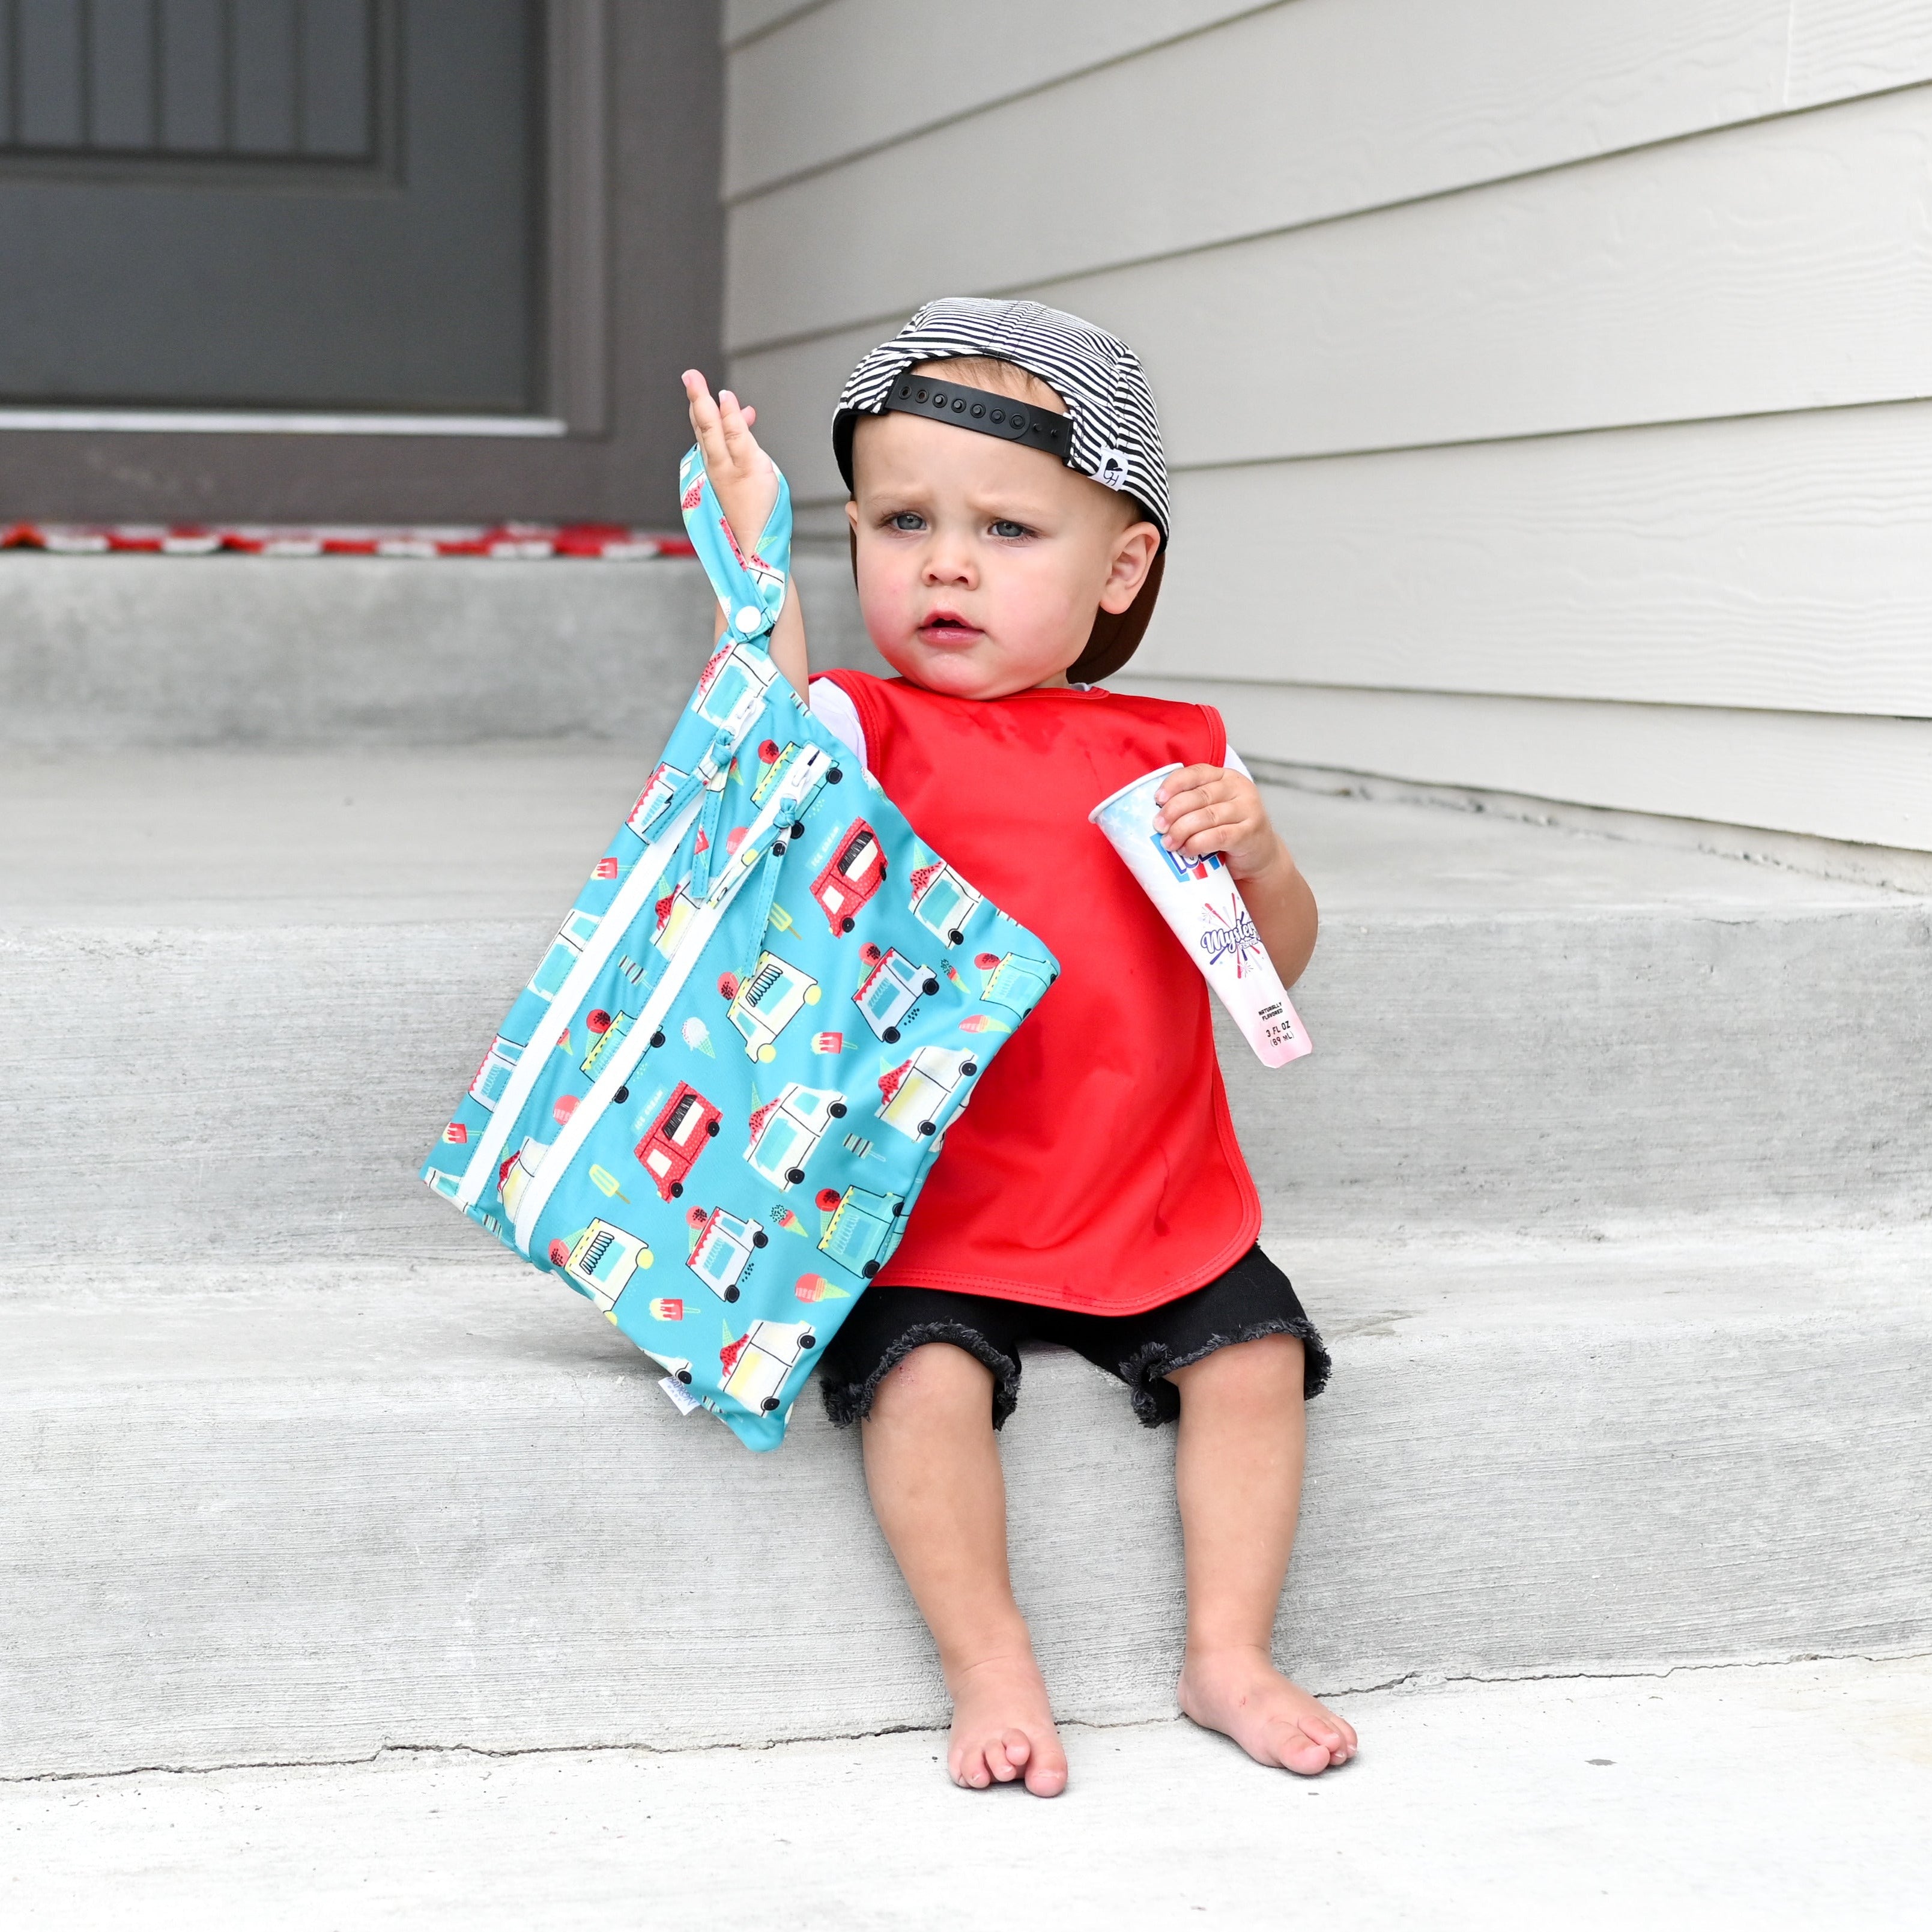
834	708
1231	763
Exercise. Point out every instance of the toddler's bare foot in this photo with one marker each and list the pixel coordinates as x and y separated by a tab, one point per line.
1002	1728
1240	1693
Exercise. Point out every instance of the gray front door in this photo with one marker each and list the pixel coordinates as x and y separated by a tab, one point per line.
306	204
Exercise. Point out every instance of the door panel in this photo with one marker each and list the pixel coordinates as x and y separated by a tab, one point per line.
325	204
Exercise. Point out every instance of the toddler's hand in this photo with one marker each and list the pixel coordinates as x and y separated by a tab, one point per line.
742	476
1205	808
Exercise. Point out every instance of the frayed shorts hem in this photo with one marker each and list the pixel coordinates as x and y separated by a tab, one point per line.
1252	1300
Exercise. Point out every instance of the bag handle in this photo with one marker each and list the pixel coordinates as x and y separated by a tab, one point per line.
750	586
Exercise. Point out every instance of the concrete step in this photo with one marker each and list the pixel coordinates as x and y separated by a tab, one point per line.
247	986
305	1512
1792	1797
127	649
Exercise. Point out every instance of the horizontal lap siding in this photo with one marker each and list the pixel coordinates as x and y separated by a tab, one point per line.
920	63
1868	780
1457	307
1319	108
1783	266
1781	562
1841	47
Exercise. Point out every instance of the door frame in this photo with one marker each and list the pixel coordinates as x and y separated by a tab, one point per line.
628	287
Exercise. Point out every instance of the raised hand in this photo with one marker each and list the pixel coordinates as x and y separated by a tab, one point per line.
743	478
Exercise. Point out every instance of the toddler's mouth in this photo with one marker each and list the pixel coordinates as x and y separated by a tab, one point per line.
943	627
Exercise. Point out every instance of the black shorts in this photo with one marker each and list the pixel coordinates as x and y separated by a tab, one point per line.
1252	1299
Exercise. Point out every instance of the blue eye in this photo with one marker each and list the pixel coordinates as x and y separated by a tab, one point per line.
1005	526
908	520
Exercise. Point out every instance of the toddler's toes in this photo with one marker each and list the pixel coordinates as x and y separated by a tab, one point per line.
1046	1770
1294	1750
969	1769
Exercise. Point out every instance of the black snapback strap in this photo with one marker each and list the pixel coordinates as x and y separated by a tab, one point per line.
982	410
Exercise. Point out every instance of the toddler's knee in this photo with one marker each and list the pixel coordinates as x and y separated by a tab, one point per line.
934	1376
1269	1369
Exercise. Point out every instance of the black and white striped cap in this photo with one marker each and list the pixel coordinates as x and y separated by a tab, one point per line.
1114	432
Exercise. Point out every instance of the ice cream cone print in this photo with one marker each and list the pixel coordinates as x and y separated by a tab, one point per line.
697	1036
983	1023
826	1201
952	972
816	1288
790	1223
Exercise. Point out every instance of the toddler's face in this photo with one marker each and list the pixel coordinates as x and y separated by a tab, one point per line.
981	564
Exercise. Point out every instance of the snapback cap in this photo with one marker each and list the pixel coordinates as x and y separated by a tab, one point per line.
1110	431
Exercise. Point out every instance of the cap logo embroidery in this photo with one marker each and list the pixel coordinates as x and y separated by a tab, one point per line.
1111	469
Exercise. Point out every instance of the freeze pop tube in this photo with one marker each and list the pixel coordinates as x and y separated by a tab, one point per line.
1202	905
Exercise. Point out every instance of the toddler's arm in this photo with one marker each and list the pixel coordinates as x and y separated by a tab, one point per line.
1206	808
746	486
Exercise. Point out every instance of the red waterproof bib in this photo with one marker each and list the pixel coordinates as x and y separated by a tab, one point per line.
1096	1168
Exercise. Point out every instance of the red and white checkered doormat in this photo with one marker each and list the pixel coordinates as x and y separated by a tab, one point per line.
615	542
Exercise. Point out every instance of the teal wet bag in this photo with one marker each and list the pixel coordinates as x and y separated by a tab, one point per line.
711	1108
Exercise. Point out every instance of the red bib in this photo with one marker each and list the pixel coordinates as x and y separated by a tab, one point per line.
1096	1168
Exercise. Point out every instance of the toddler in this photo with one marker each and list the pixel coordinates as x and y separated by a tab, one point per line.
1009	521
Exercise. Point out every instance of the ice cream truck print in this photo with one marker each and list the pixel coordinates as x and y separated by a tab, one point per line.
942	902
864	1228
890	991
785	1131
674	911
918	1093
678	1367
494	1075
776	763
768	1002
513	1175
655	796
579	930
857	870
724	1250
679	1134
1016	983
732	686
601	1261
756	1365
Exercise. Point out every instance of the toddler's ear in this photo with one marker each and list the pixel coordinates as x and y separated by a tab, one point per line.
1133	557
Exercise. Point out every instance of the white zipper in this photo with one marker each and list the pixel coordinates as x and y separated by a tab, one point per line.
644	878
798	782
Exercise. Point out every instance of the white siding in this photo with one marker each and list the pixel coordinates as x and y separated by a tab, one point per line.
1781	561
919	63
1291	115
1839	47
1527	334
1868	780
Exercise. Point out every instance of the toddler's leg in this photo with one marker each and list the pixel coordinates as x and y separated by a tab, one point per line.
934	1472
1237	1475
